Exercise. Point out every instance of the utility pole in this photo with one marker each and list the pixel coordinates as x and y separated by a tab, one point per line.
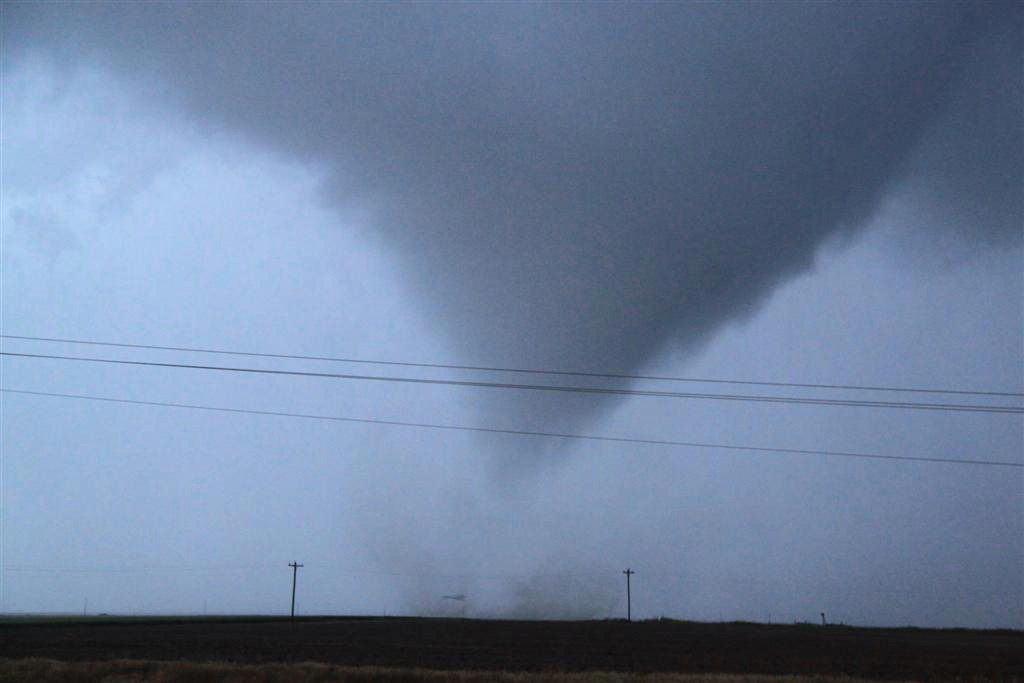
295	570
629	610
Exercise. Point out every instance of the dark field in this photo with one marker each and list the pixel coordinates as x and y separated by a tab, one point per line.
652	646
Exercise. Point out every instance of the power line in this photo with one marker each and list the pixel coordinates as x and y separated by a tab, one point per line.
629	607
295	572
608	574
33	569
958	407
335	569
533	371
523	432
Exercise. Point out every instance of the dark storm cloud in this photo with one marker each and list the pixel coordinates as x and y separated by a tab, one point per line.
579	185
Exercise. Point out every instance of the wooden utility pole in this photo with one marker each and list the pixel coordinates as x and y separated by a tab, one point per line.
295	570
629	611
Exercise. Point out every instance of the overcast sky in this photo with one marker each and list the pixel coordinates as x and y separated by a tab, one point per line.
807	193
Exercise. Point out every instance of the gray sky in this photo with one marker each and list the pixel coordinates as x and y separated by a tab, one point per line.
812	193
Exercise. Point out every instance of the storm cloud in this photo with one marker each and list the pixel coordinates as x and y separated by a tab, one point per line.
580	186
805	192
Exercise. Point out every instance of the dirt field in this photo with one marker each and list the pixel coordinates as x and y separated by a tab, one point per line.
148	671
451	644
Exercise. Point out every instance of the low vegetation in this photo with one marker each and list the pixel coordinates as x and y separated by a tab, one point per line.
125	671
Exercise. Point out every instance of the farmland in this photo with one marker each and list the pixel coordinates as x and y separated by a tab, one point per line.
529	646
